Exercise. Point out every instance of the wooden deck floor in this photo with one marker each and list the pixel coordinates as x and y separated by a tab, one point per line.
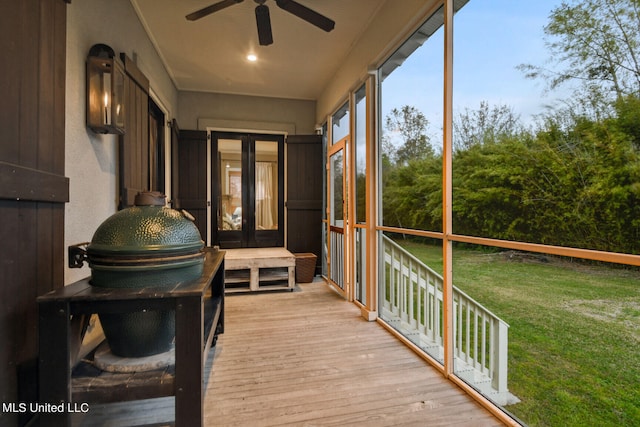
307	358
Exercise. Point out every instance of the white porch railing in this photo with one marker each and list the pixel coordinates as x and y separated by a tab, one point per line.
336	267
412	302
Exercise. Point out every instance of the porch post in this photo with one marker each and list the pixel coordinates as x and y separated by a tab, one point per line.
500	356
371	190
447	244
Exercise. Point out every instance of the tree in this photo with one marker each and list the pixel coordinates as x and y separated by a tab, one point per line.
411	125
596	43
571	184
412	197
484	125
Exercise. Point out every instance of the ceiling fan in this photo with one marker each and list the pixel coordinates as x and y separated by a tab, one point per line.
263	20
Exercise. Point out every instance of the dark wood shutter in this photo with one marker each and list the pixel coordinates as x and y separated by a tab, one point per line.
190	176
33	188
305	171
156	147
175	179
134	144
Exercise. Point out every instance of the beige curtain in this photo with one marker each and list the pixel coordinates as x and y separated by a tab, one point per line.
264	196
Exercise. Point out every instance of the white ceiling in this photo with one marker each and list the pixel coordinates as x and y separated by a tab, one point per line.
209	54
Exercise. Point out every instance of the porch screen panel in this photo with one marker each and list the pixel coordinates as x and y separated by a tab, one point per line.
410	289
337	218
411	94
340	123
360	169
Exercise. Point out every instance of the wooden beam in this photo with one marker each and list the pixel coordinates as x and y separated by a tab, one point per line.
22	183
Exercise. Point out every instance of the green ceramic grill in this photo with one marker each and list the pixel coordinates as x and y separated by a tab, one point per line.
148	245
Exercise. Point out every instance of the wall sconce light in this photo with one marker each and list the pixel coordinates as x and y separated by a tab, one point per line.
105	91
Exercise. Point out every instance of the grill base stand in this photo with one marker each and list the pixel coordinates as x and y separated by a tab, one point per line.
199	308
109	362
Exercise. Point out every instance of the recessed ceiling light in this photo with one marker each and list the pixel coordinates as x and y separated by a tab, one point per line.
251	57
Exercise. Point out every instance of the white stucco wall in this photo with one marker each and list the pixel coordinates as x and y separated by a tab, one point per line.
92	160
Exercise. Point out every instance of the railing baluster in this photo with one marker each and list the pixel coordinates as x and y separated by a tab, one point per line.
425	306
484	342
470	327
437	316
491	343
410	295
434	315
392	279
478	329
457	325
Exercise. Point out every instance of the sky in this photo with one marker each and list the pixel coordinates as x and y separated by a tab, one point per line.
491	38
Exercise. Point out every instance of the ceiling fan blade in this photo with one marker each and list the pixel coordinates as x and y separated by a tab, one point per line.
307	14
264	25
211	9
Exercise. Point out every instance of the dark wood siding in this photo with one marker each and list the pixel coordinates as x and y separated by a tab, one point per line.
33	188
134	144
305	172
190	176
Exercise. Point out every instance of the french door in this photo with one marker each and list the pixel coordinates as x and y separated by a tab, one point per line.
247	188
337	193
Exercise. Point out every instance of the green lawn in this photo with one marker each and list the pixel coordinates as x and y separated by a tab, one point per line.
574	334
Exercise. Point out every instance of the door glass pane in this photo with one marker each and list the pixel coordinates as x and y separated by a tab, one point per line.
230	167
336	188
266	185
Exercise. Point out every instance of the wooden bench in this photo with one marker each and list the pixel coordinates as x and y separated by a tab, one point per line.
259	269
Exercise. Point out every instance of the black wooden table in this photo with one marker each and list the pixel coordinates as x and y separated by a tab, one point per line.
199	318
